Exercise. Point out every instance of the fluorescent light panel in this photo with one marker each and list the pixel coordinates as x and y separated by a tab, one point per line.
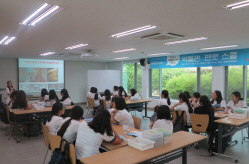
187	40
47	53
76	46
44	11
6	37
120	58
124	50
211	48
9	40
140	29
165	53
6	40
237	5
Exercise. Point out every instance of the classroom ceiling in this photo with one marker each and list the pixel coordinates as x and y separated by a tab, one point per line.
93	21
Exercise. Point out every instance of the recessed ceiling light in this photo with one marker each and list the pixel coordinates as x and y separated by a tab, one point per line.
130	49
140	29
165	53
6	40
237	5
187	40
211	48
44	11
47	53
120	58
76	46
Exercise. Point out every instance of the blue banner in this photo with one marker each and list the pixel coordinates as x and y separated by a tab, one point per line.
219	58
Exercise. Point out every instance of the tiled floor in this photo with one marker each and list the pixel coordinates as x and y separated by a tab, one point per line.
32	150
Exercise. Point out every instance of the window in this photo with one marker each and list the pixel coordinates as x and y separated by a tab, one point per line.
128	76
155	82
139	79
235	81
206	81
178	80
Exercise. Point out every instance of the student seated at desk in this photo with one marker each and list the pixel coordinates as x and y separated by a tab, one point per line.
65	97
20	102
185	106
163	118
12	99
164	100
205	108
115	91
195	99
53	97
70	126
134	95
235	103
217	101
55	121
107	97
90	92
112	105
44	95
91	135
121	92
120	114
188	95
96	96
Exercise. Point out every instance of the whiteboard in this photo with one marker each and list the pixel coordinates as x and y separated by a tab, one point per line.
103	79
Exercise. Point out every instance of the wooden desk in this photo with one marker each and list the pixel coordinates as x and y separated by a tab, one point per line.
220	115
127	154
239	125
119	129
145	102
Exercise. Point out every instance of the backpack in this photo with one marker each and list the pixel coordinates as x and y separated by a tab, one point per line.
34	129
213	143
179	122
58	156
3	114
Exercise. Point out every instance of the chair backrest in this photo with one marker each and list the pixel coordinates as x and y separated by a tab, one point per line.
54	141
45	135
90	102
104	104
137	122
179	113
71	155
199	122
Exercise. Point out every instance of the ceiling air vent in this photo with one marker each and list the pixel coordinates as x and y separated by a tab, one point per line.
164	36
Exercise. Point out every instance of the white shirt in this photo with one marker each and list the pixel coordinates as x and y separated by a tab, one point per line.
54	124
8	96
162	101
72	130
16	109
67	101
110	110
124	118
115	93
163	123
96	102
240	104
184	107
135	97
108	103
46	98
222	103
88	94
88	142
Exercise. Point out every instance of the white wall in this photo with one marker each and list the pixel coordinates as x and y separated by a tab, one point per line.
115	66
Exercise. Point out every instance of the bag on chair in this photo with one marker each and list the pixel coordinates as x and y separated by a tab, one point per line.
179	123
58	156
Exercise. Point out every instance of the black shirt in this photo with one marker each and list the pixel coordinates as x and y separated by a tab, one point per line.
204	110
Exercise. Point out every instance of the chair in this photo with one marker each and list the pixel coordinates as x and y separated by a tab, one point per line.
71	155
12	124
90	105
46	139
179	113
199	122
103	103
137	122
54	141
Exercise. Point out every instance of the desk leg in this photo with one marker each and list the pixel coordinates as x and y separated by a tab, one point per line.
145	109
247	134
184	155
220	138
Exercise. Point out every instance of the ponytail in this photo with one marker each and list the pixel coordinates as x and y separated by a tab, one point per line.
168	101
64	127
165	93
186	100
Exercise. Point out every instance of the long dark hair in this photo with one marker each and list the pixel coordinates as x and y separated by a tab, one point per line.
44	92
120	91
120	103
55	109
65	94
133	92
76	114
107	95
101	123
204	101
187	94
165	93
219	97
197	95
163	112
237	94
20	101
185	99
13	94
96	96
91	90
115	88
53	95
8	86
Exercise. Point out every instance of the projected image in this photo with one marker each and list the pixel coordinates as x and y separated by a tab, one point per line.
43	86
32	75
34	87
60	86
52	86
24	87
52	74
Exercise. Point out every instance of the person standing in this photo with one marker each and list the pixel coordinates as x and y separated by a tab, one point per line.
9	91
